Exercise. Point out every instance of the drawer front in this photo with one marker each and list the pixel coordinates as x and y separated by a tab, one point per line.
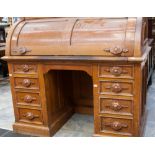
28	83
25	98
115	87
30	116
116	71
116	125
25	68
119	106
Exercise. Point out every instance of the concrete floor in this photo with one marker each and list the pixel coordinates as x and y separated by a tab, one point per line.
78	125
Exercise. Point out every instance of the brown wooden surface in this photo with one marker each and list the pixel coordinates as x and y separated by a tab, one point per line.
91	79
80	36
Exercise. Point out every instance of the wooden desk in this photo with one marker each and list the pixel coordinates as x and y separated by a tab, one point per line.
98	66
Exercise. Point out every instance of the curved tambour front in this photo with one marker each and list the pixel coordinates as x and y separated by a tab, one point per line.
74	36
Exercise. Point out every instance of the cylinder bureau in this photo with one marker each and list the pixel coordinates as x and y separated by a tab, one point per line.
62	66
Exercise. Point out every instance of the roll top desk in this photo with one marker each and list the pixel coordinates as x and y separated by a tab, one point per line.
98	66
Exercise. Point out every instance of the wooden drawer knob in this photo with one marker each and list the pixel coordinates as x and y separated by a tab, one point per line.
116	106
116	50
116	125
26	83
30	116
29	99
116	71
26	68
116	88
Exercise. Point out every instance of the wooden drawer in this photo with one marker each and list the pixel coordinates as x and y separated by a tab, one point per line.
116	125
116	87
30	116
121	71
28	83
118	106
26	98
25	68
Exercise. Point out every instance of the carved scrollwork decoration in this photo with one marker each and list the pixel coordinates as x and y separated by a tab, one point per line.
116	88
116	50
24	68
116	125
116	106
116	71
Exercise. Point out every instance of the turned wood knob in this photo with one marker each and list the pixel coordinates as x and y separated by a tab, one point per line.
30	116
116	71
26	83
116	50
116	88
26	68
21	50
116	125
28	99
